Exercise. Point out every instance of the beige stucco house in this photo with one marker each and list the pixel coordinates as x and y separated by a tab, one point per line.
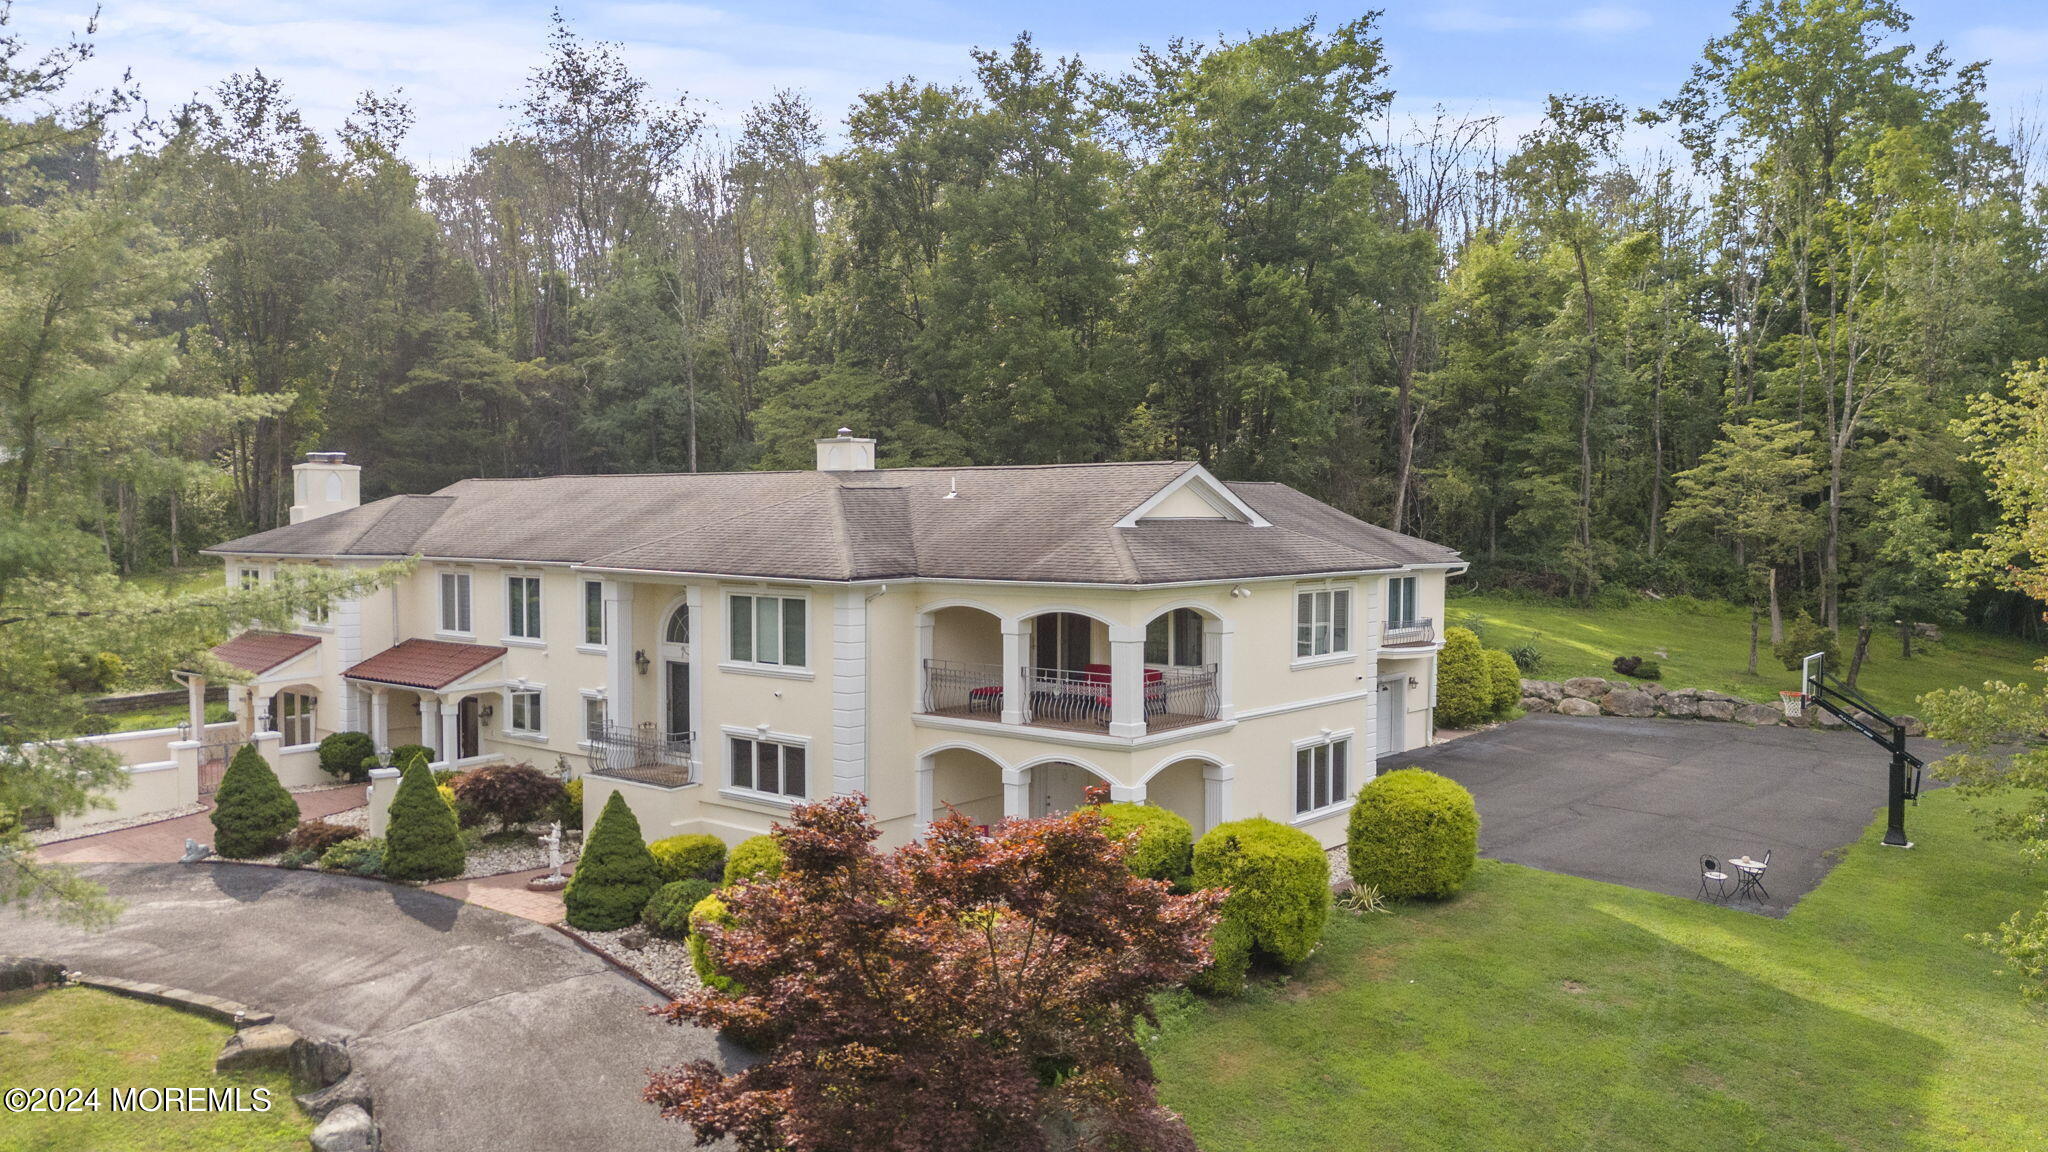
992	640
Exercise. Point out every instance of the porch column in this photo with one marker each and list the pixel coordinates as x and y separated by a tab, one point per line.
925	801
1016	637
1216	781
1127	793
619	667
451	739
1016	793
1126	680
380	717
1216	651
430	724
195	706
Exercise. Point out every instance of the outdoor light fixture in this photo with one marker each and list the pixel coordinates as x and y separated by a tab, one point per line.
640	660
1414	683
485	712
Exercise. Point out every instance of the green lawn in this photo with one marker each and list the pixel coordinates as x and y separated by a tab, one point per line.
1538	1011
1709	648
142	721
78	1037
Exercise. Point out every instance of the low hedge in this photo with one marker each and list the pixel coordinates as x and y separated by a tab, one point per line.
710	910
1165	844
1464	685
343	753
1504	677
1413	834
755	858
359	857
1279	881
667	914
689	857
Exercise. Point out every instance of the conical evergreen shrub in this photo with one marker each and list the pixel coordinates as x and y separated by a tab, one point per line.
422	841
252	813
615	875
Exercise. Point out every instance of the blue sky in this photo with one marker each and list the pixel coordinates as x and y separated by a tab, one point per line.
460	61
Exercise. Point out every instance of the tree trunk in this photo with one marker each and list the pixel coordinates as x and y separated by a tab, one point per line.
1905	639
1586	421
1862	649
175	559
1777	615
1404	418
1752	637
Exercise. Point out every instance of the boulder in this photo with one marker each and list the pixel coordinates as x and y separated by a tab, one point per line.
18	972
1913	725
1549	690
1586	687
318	1063
1628	702
1761	715
264	1046
1828	720
346	1129
1716	710
349	1091
1535	704
1680	705
1684	694
1654	689
1578	706
1803	720
635	938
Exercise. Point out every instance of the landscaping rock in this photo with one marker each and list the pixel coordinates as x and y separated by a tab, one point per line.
1585	687
1549	690
1716	710
18	972
1534	704
264	1046
1913	725
1761	715
1628	702
634	938
1682	707
1578	706
346	1129
349	1091
1828	720
318	1063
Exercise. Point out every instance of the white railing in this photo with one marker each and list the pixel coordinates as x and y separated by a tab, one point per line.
1182	691
645	754
951	686
1399	632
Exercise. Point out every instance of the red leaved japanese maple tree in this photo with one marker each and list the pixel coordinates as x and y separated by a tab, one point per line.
961	994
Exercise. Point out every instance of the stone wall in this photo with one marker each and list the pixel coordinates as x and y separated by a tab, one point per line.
1593	696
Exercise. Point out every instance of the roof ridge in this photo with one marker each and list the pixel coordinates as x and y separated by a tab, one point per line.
807	472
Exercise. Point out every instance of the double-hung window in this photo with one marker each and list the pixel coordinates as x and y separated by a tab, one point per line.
523	715
1322	621
522	607
1320	774
768	630
593	719
455	602
249	578
768	766
1401	602
593	612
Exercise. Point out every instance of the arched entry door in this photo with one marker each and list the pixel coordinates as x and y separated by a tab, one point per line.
675	675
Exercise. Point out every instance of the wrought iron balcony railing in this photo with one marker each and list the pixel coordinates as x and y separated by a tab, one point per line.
1403	632
645	754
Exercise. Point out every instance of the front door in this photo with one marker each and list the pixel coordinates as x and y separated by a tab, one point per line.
1393	716
1058	788
678	705
467	716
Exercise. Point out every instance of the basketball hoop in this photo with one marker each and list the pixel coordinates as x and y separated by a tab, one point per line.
1795	703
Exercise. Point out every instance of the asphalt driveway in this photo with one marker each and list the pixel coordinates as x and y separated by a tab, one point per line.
1638	802
479	1031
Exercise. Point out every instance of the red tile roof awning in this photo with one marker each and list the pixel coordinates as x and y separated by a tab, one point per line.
431	664
259	652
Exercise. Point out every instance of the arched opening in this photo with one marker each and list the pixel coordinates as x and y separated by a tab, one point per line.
968	782
1182	787
677	727
1183	669
1056	786
294	715
1067	670
963	672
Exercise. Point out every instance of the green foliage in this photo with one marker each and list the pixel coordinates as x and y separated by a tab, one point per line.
709	910
667	914
1279	881
1230	958
423	838
689	857
570	810
511	794
403	756
363	856
317	836
755	858
1464	681
1528	657
1413	834
252	812
343	754
1803	637
2022	942
615	876
1503	680
1164	848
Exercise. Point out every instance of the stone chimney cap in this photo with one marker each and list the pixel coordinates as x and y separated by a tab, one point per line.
845	433
326	457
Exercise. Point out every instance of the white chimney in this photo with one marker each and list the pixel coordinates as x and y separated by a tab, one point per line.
846	453
325	484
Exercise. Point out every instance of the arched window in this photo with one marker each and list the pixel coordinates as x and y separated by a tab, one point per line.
1174	638
678	629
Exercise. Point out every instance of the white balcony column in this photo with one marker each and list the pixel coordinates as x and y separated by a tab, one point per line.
1216	781
1016	793
620	669
926	801
1216	646
1016	642
380	717
1127	793
195	706
922	674
451	738
430	724
1126	680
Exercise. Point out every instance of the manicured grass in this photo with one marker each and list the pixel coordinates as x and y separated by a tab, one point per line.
78	1037
1709	648
1537	1011
171	717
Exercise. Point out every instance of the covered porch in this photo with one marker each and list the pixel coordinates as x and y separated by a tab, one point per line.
430	692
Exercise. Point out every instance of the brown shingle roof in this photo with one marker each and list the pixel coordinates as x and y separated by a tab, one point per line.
424	663
258	651
1045	523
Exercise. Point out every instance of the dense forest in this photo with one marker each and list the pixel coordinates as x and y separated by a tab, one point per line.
1731	370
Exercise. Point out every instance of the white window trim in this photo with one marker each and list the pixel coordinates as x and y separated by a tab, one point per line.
779	799
756	667
1350	770
441	605
312	716
1335	655
604	627
591	696
1415	599
541	619
538	736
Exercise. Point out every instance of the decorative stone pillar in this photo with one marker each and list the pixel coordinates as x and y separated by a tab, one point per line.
383	786
195	706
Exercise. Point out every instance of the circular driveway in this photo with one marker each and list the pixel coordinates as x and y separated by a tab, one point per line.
478	1031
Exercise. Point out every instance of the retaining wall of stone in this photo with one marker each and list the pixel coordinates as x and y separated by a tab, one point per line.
1594	696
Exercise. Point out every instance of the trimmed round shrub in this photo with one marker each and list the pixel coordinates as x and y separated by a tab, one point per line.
359	857
317	836
616	875
1230	958
667	914
755	858
1413	834
1164	849
570	809
689	857
252	813
403	755
511	794
1504	680
343	753
423	840
710	910
1464	687
1279	881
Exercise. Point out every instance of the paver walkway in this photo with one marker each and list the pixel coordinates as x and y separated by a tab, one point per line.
164	841
508	893
480	1032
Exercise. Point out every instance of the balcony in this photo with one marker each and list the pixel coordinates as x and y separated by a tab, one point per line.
1074	700
644	755
1408	633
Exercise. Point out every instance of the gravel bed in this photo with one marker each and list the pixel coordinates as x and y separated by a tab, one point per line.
662	963
498	859
76	831
1340	867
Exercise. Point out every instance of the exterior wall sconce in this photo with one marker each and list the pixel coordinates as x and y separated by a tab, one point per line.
485	712
1414	683
640	660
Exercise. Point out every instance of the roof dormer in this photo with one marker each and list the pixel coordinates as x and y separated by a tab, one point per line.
1193	495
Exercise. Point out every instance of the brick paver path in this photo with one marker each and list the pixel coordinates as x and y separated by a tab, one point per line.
509	893
164	841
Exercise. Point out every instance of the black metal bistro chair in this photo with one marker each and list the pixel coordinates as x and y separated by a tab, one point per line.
1749	879
1710	870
